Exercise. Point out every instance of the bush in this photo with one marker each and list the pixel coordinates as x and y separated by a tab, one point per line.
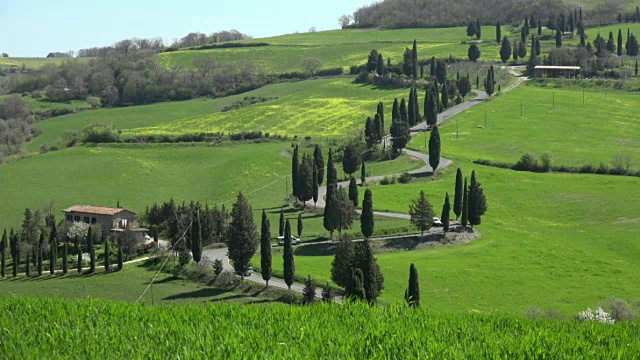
330	72
545	160
217	267
619	309
405	178
527	163
100	133
388	180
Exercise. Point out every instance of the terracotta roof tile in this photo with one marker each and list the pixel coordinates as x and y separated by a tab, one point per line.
98	210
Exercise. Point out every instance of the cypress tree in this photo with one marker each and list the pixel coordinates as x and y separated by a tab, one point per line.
441	71
477	81
281	227
79	252
92	253
309	292
242	235
446	213
473	53
39	253
380	66
196	238
434	148
526	23
367	222
490	85
353	191
413	293
498	32
523	34
626	45
404	116
465	206
540	28
505	50
107	256
332	173
400	134
522	50
619	42
27	264
381	113
477	202
538	47
351	159
558	39
515	51
356	289
445	96
411	109
634	47
432	69
458	195
53	253
3	246
636	68
120	262
532	22
265	249
295	166
15	251
330	218
65	254
319	160
571	23
300	226
414	59
395	110
431	108
416	105
471	29
342	263
305	179
289	266
363	173
315	184
377	125
372	276
478	29
611	45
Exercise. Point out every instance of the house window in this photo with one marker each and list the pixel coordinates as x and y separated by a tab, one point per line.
86	219
93	220
76	218
124	223
69	218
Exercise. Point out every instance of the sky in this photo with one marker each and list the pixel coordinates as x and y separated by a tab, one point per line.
33	28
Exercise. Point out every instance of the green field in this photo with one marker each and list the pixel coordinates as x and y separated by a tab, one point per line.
319	108
33	63
343	48
117	330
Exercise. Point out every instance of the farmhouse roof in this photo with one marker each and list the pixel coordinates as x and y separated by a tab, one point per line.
98	210
133	229
558	67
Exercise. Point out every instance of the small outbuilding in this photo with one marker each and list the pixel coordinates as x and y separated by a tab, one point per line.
557	71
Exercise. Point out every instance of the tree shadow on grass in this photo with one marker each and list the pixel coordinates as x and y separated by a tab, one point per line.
201	293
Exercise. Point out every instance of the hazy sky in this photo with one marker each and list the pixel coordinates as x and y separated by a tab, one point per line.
37	27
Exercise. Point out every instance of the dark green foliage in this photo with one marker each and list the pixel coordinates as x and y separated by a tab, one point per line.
27	270
465	205
421	213
611	45
305	179
372	62
300	226
446	213
309	292
380	112
416	108
441	71
289	265
355	290
619	42
414	59
328	293
505	50
373	279
431	108
363	173
400	134
315	183
92	252
411	109
432	68
532	22
367	223
380	68
351	159
558	39
464	86
196	238
477	202
434	148
332	173
370	133
404	116
218	267
353	191
407	63
242	235
395	110
342	264
522	50
281	228
523	34
634	47
3	247
478	29
538	47
265	248
636	70
377	125
490	85
79	254
120	260
498	32
515	51
39	253
413	292
295	167
458	195
65	254
346	210
331	220
473	53
107	256
319	161
444	96
471	29
540	28
477	81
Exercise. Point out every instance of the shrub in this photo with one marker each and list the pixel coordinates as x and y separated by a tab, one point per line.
405	178
330	72
599	315
527	163
545	160
387	180
619	309
217	267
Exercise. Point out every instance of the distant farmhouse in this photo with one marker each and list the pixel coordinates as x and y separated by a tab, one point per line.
112	220
557	71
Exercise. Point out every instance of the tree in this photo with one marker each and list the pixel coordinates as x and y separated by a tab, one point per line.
351	159
523	33
377	125
633	46
380	68
407	63
281	227
446	213
315	184
380	112
242	235
539	27
79	254
538	47
421	213
434	148
411	109
370	135
636	70
27	264
107	256
53	252
92	253
441	71
400	134
332	173
14	248
465	205
458	195
444	96
311	65
319	160
611	45
373	279
404	116
413	292
289	266
309	292
345	210
471	29
431	108
522	50
464	86
372	62
498	32
342	264
363	173
196	238
432	68
355	290
414	59
331	220
619	42
3	246
65	254
39	253
478	29
505	50
490	85
558	39
515	51
265	249
327	293
367	222
295	167
473	53
477	202
305	179
353	191
300	226
120	260
395	110
416	107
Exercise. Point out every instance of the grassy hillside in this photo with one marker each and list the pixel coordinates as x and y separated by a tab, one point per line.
325	107
240	332
345	48
33	63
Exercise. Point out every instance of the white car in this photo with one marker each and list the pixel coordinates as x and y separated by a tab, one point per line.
436	222
294	240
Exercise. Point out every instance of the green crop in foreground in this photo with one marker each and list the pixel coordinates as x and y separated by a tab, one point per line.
37	328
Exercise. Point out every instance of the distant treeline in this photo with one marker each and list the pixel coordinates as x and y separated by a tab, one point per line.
436	13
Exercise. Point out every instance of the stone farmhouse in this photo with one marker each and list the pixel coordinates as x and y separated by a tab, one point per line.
112	220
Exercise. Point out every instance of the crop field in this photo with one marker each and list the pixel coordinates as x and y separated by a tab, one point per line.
319	108
343	48
238	332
